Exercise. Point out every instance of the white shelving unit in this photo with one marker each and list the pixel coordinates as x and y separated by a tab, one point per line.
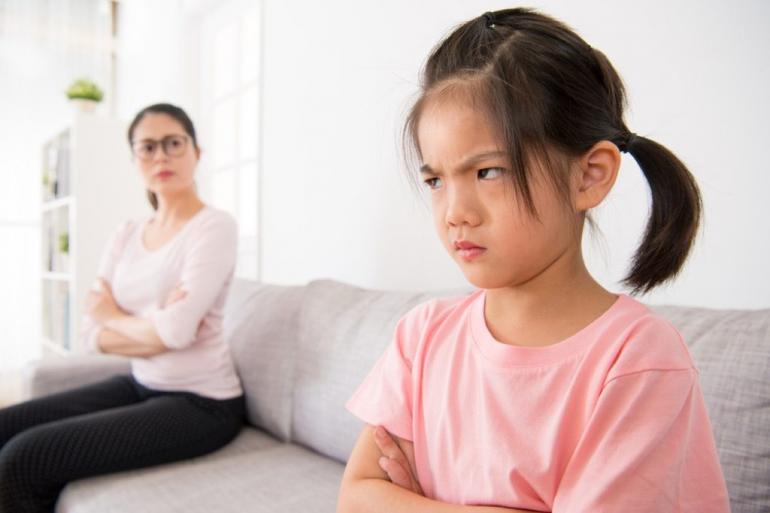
90	186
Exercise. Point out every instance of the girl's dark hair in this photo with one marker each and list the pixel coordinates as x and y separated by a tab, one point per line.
546	89
170	110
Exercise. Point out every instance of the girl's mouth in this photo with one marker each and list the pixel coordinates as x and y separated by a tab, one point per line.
468	250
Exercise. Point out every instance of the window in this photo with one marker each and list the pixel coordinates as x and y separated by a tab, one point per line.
230	106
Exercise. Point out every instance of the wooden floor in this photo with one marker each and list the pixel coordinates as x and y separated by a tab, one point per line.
10	387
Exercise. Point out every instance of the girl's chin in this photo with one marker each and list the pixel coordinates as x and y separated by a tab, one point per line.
483	280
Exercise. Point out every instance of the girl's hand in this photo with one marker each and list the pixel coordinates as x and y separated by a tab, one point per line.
395	463
101	305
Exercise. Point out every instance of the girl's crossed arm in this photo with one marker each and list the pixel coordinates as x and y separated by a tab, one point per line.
367	488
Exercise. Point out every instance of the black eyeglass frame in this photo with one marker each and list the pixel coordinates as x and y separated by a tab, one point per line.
164	144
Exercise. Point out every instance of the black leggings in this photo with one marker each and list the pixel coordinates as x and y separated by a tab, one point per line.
110	426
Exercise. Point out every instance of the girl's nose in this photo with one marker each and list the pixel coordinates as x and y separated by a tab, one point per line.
462	208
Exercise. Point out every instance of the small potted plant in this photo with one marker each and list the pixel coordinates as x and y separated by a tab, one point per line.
84	94
64	249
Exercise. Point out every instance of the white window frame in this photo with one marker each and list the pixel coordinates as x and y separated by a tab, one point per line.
211	19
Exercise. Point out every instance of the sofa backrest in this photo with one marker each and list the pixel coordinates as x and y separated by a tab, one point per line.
343	331
302	351
732	353
260	323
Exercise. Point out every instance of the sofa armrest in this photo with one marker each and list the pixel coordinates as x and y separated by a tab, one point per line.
55	374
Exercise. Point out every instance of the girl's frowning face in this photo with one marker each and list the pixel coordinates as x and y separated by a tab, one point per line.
477	214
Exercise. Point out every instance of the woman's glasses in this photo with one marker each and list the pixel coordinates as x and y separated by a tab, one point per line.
173	146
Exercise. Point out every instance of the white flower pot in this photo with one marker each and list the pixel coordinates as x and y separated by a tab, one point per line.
83	105
63	263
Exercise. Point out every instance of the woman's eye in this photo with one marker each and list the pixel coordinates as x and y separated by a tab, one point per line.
433	183
490	173
148	148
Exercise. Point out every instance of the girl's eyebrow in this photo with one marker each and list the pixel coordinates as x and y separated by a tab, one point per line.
469	161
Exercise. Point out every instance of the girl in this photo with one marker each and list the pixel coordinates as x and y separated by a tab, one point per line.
162	285
542	391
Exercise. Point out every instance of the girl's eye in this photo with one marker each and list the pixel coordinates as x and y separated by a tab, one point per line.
490	173
433	183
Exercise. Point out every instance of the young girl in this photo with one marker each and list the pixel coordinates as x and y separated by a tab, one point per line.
541	391
159	299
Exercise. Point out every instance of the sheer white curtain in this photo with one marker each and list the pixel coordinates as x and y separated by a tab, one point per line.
44	45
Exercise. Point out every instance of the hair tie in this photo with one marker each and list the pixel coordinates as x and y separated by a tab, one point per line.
625	146
489	20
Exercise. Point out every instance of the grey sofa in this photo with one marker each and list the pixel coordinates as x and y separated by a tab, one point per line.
301	351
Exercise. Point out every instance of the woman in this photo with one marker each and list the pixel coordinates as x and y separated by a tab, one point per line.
158	299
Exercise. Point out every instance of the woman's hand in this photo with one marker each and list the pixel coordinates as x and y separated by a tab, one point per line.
395	463
175	295
101	305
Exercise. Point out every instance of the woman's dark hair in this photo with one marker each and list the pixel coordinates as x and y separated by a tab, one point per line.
546	89
170	110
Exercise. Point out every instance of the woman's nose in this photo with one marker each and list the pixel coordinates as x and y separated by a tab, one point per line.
160	154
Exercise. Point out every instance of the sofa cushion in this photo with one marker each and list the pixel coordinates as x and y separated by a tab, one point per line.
58	373
732	352
260	324
343	330
254	473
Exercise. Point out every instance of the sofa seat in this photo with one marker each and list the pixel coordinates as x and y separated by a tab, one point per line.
255	470
301	351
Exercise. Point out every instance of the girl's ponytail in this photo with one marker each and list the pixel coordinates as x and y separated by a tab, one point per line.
674	215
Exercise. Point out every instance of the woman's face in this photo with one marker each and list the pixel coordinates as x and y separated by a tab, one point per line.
165	154
487	231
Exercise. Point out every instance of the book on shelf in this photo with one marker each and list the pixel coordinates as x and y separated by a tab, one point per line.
56	168
62	181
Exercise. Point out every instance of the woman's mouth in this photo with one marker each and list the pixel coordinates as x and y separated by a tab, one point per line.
164	175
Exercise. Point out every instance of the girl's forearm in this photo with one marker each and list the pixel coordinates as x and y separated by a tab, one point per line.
130	336
381	496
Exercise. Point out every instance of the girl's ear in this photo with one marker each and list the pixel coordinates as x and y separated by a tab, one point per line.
596	172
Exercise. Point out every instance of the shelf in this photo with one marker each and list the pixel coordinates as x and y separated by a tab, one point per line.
57	203
81	166
47	275
54	347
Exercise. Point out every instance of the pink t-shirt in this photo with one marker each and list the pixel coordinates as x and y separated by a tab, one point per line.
611	419
200	259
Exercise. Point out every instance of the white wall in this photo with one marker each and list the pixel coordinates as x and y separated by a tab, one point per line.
154	48
339	76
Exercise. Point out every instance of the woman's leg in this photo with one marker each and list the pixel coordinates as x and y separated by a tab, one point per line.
18	419
109	393
38	463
